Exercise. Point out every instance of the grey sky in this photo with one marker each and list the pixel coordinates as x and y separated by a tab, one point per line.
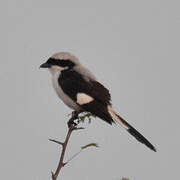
132	47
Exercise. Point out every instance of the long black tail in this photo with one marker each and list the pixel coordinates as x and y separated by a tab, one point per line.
130	129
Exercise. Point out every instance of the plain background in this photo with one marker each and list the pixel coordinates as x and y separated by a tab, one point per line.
132	46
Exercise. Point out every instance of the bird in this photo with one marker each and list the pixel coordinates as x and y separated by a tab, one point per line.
79	89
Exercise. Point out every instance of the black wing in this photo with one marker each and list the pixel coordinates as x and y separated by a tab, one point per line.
73	83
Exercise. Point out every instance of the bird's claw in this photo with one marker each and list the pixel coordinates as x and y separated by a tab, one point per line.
74	117
71	123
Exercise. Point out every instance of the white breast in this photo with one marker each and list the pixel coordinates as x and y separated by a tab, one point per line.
68	101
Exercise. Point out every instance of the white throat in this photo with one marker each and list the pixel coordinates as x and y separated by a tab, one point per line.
56	69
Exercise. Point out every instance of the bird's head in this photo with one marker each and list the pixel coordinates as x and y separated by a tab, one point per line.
60	61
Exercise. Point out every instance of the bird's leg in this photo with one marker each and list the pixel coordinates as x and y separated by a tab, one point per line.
74	117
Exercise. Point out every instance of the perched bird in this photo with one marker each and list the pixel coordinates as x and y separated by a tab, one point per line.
79	89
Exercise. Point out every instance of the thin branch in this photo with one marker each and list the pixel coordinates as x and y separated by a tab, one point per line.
82	148
71	158
58	142
64	145
72	127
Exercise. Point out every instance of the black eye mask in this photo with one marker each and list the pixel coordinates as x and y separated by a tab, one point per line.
61	63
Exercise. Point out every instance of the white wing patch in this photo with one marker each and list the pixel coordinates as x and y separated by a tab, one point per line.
83	98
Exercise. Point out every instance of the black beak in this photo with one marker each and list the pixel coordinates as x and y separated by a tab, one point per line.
45	65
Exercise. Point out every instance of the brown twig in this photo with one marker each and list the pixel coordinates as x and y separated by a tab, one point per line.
58	142
72	127
64	145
